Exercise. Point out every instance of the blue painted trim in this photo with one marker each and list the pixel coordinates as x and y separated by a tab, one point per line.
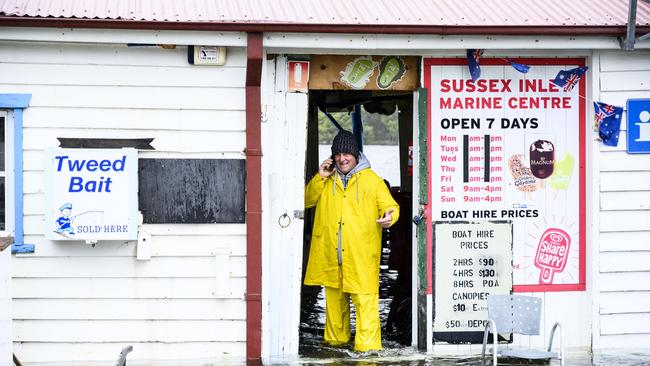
22	248
357	125
18	102
15	100
334	122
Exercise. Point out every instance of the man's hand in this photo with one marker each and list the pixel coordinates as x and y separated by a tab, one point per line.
323	169
387	220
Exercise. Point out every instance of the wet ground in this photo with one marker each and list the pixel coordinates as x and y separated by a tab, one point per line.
396	336
627	359
395	317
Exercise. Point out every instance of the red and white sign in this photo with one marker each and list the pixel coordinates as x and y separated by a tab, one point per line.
298	76
511	146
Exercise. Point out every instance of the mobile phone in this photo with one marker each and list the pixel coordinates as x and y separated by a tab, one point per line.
333	165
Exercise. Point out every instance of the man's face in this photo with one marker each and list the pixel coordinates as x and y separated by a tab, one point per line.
345	162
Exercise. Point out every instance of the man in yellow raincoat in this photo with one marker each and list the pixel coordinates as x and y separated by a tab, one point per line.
353	204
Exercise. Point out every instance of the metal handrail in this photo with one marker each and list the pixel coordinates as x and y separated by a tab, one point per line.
495	337
550	341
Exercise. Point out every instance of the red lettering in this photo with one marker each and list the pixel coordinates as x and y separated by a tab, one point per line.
505	87
480	86
555	103
457	85
444	85
470	86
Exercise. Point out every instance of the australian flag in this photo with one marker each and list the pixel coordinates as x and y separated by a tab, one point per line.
567	79
608	119
473	57
522	68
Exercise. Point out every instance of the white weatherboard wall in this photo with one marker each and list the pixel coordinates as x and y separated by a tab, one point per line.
624	230
5	307
76	302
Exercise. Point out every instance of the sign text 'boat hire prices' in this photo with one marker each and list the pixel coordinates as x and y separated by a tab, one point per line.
91	194
472	260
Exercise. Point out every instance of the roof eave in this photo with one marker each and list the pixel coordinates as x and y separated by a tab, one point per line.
559	30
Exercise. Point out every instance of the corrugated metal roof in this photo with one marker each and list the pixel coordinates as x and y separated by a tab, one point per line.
526	13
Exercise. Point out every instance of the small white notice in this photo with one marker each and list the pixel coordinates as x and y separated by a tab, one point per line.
472	260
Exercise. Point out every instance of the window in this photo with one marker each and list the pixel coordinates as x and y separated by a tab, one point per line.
3	176
6	164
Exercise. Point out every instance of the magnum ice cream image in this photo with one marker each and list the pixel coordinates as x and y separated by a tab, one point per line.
542	158
552	254
357	73
523	177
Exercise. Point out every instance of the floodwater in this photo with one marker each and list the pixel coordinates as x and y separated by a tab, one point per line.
414	359
395	315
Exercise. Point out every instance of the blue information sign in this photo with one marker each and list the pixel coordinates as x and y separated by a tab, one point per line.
638	126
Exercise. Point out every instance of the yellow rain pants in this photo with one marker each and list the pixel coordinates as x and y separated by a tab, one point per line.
337	321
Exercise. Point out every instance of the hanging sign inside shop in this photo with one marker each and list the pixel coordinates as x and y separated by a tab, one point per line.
510	146
472	260
347	72
91	194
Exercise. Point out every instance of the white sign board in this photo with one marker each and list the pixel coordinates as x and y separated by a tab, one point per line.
91	194
472	261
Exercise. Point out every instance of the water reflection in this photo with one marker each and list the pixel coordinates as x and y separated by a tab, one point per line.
414	359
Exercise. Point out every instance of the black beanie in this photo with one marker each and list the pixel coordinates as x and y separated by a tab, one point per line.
345	142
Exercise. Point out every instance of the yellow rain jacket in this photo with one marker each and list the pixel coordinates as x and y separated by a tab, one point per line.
356	208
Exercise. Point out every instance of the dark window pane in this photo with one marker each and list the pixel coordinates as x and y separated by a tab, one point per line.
2	144
2	204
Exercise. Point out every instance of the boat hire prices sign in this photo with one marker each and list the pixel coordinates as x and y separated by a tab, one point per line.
91	194
472	261
510	146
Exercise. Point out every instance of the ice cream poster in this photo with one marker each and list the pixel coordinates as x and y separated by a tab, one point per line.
369	72
91	194
510	146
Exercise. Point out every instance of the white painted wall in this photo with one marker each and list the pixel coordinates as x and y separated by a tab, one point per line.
624	230
5	308
284	140
75	302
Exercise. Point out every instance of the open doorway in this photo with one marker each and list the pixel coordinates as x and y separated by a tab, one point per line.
384	120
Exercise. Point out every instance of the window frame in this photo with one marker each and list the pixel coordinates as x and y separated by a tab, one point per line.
8	173
14	105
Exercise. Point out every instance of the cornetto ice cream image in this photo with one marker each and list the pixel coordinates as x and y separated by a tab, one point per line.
542	158
524	179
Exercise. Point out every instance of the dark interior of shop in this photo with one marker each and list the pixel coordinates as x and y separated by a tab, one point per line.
395	284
